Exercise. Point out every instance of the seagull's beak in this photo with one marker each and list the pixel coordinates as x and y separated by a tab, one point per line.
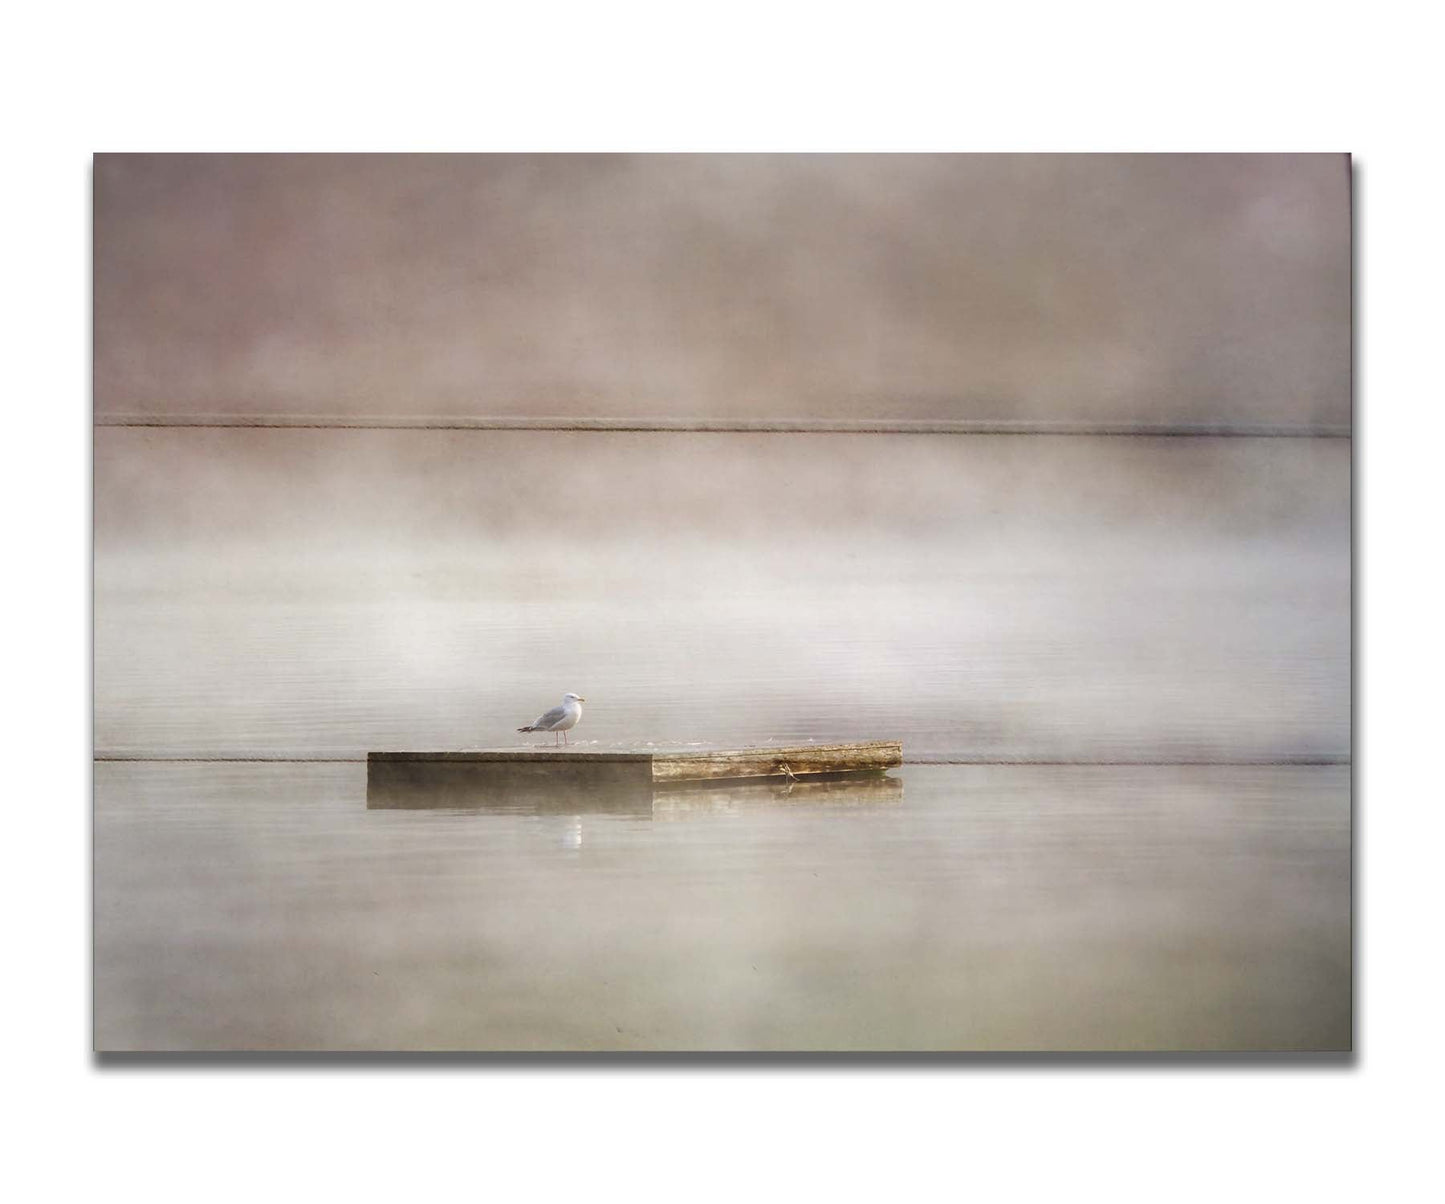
580	698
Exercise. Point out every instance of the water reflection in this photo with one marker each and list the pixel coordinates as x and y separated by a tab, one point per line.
458	786
262	906
858	790
442	786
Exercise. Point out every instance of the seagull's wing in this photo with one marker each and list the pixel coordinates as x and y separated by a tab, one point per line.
551	719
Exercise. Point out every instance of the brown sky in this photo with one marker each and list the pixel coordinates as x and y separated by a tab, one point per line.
1155	289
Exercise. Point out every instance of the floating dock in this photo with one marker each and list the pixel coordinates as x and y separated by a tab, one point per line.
440	779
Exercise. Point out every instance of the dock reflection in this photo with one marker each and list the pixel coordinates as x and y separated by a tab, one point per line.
451	787
674	803
441	786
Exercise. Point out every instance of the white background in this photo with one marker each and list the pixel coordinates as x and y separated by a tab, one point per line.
1227	76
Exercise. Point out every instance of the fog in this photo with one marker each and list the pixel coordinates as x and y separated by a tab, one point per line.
1162	621
305	592
1152	289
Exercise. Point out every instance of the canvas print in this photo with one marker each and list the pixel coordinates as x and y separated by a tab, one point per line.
722	603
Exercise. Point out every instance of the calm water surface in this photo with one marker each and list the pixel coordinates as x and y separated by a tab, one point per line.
311	593
265	906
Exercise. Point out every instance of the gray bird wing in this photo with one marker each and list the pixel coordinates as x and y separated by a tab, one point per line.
551	718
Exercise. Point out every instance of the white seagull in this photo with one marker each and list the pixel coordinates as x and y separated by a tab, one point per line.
559	719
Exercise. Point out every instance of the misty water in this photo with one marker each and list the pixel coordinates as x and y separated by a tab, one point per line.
979	907
1119	606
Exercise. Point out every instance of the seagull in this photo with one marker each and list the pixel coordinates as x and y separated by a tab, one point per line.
559	719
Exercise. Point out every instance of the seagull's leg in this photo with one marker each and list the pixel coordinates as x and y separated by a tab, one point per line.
564	736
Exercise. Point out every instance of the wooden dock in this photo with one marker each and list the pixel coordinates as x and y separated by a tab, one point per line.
439	779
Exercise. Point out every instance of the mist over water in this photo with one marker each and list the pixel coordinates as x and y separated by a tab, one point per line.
1012	907
1164	622
330	593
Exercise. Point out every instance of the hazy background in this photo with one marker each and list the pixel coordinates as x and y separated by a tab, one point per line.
1103	598
331	584
1153	288
1075	598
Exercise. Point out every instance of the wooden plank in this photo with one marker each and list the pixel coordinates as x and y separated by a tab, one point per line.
795	761
511	756
442	778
